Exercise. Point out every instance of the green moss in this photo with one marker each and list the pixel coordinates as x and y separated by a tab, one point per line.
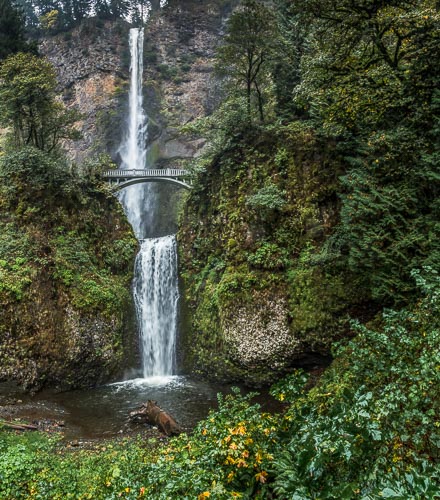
65	276
258	213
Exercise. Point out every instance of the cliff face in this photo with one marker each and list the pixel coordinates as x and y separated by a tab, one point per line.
257	303
91	63
180	44
65	274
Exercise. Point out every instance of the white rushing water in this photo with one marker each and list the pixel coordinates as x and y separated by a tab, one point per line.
155	286
156	296
135	199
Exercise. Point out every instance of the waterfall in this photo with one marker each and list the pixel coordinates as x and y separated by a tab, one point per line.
156	295
155	285
136	199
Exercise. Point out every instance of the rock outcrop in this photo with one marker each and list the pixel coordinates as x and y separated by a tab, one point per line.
180	47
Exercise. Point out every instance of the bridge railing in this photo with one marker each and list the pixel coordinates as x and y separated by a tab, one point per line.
157	172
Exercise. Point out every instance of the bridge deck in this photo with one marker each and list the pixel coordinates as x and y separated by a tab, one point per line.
156	172
122	178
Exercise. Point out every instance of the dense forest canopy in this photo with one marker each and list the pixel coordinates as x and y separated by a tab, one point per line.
53	15
363	76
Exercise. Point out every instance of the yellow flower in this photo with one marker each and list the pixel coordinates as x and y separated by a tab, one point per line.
241	463
261	477
240	430
258	457
204	432
203	495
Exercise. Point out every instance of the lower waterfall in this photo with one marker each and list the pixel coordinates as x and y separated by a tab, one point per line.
156	296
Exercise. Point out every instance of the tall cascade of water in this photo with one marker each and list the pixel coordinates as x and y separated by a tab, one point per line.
156	295
155	286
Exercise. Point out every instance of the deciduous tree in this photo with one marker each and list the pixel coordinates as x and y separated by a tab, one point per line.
244	58
28	103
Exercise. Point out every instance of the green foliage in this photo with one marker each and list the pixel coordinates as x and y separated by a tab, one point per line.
371	427
34	184
28	103
168	72
269	256
90	284
267	199
38	467
246	51
12	35
30	173
15	277
318	304
369	80
227	455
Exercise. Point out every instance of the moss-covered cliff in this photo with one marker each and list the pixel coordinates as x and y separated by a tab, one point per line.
65	271
258	303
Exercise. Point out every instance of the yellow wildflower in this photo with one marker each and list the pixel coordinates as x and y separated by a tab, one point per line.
261	477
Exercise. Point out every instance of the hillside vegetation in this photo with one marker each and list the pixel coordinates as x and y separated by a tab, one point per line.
319	195
66	249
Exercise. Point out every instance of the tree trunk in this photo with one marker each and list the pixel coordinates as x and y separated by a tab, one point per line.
260	102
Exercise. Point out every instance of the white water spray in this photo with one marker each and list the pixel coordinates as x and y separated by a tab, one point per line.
155	285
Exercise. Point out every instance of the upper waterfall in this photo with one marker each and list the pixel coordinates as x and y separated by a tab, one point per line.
133	149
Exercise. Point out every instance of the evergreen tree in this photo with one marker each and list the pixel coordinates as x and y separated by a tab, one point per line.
370	79
12	31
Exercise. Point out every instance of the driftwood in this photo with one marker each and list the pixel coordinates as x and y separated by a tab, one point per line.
18	426
152	414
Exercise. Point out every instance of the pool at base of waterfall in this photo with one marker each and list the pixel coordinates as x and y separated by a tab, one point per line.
103	412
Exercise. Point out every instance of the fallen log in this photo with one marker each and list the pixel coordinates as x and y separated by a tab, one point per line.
153	414
18	426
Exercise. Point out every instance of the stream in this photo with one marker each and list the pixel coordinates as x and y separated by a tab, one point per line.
103	412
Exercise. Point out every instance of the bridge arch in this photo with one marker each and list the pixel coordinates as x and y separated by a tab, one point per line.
121	178
121	185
